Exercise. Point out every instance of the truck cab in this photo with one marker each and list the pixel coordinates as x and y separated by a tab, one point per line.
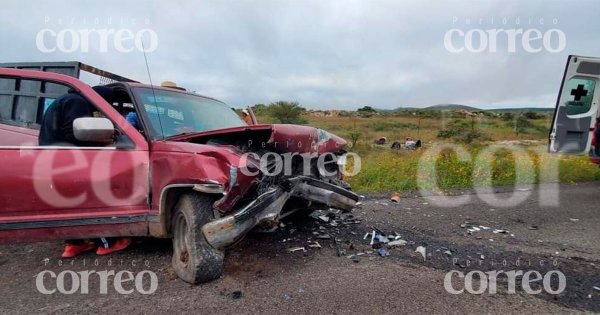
576	118
189	169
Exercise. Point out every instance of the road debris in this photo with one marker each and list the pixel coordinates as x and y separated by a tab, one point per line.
296	249
397	243
574	220
315	245
474	227
533	227
324	218
395	197
422	251
383	252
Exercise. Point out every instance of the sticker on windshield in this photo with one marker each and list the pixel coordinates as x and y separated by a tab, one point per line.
175	114
153	109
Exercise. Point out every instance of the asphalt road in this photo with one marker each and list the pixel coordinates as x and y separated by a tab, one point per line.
346	275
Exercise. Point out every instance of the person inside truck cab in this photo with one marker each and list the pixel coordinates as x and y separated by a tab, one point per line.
246	117
57	129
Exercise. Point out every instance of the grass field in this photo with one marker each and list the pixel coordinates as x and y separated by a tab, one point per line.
519	158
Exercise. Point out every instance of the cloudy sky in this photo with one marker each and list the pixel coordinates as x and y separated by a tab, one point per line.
324	54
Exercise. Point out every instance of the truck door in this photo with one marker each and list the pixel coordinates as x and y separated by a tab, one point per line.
576	107
65	192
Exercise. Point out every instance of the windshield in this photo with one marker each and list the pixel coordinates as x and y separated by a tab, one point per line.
173	113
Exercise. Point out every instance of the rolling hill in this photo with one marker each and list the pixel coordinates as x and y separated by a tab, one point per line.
457	107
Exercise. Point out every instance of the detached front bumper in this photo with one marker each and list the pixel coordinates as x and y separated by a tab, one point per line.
267	207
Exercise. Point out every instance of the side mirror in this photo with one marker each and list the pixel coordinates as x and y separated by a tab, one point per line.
92	129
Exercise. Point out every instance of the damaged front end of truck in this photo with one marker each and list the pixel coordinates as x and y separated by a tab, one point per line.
274	171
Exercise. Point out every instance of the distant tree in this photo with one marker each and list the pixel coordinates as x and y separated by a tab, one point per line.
287	112
366	111
532	115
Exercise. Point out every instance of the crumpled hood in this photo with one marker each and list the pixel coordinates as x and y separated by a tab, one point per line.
277	137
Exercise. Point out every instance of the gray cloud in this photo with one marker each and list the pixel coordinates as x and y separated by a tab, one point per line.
324	54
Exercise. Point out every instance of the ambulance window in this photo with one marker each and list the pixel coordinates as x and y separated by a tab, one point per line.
579	95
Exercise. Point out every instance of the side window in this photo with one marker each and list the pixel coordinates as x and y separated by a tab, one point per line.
579	95
23	102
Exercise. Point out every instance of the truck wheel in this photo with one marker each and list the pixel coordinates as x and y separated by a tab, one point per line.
194	260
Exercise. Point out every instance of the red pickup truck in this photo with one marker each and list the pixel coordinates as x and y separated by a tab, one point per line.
576	124
193	172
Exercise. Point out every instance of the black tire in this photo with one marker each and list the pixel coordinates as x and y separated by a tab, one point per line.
194	260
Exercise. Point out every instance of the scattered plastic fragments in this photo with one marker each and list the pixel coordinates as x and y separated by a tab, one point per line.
448	253
472	228
532	227
324	218
381	238
574	220
383	252
296	249
421	250
397	243
378	237
315	245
